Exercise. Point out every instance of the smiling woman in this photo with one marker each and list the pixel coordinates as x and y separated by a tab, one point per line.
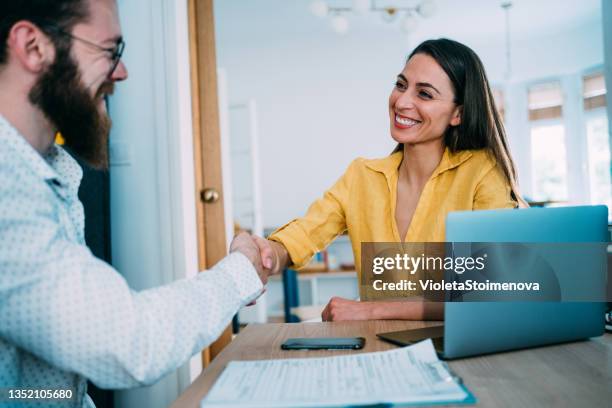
452	155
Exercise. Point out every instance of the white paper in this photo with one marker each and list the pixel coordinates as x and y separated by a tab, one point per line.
411	374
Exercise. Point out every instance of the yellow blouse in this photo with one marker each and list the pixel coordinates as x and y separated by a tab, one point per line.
363	200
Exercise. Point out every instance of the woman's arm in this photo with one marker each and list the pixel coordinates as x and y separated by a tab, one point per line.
339	309
344	309
325	219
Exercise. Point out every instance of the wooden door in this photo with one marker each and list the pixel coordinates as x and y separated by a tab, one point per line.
207	147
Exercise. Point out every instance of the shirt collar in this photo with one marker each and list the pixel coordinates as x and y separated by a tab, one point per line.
53	167
389	165
451	160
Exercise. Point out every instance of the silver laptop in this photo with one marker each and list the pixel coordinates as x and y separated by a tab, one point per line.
473	328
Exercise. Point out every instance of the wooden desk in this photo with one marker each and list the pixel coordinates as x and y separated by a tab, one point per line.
567	375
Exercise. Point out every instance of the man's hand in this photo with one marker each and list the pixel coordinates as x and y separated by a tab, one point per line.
247	246
339	309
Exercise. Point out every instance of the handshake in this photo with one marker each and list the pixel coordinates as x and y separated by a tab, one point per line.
268	257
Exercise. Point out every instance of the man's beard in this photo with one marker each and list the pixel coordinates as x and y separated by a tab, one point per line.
69	106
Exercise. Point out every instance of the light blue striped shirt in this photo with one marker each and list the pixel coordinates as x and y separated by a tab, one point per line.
65	315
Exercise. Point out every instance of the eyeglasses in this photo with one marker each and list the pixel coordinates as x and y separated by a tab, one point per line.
115	52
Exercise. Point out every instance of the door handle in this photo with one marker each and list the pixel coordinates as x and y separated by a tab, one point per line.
209	195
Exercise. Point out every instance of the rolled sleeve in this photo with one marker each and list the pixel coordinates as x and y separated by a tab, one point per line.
323	222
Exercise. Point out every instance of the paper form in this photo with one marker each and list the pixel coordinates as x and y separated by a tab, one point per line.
411	374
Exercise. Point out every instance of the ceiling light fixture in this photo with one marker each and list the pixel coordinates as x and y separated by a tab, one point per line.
507	5
340	24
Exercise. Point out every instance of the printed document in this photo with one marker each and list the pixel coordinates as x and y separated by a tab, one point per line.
408	375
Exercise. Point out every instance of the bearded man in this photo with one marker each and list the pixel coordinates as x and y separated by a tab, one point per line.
66	316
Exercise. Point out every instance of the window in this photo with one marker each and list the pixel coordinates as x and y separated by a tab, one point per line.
548	155
545	101
598	147
594	91
599	160
548	148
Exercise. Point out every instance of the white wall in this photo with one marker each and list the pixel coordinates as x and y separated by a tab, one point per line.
152	193
322	98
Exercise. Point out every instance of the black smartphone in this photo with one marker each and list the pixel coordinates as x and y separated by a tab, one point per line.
324	343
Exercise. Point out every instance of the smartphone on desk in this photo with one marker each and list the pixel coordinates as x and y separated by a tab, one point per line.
324	343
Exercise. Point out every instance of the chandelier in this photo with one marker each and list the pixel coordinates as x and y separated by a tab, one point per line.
408	15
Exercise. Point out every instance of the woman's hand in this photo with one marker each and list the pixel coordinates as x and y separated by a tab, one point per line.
268	258
339	309
274	256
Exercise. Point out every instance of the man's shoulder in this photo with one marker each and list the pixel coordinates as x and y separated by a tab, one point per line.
18	181
13	167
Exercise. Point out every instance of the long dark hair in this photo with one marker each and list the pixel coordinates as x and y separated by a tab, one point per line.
481	126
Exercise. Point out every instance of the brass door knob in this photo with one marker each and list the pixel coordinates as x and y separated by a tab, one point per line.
209	195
